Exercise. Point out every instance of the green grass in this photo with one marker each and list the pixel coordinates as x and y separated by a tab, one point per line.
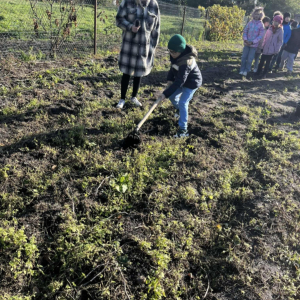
16	19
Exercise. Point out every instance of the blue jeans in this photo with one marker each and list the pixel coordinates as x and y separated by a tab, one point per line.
180	99
247	58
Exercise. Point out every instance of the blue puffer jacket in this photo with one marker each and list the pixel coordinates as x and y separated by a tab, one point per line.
184	72
287	32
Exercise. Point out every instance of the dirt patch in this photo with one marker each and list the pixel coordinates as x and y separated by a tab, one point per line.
214	214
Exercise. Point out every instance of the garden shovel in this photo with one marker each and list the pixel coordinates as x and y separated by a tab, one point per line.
133	139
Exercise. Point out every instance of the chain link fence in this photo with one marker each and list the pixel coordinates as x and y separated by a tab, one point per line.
66	27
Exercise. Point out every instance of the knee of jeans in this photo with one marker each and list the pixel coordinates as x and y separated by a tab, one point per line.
183	105
175	97
172	98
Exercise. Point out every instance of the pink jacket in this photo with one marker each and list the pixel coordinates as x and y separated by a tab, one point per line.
254	32
273	41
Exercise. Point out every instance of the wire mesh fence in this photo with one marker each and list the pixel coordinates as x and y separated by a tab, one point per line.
66	27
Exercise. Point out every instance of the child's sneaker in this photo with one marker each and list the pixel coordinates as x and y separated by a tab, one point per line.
245	74
181	133
136	102
254	70
121	104
289	73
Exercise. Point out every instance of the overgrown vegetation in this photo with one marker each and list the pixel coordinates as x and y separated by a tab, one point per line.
212	216
225	23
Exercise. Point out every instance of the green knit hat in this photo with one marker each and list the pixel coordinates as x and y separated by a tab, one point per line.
177	43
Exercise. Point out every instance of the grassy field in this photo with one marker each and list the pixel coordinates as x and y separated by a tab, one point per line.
214	216
16	19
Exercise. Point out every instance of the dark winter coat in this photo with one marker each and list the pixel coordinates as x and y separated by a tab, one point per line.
293	45
137	52
184	72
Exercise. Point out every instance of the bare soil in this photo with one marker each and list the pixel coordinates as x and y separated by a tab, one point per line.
215	216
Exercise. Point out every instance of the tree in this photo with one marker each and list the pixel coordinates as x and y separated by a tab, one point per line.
54	18
292	6
207	3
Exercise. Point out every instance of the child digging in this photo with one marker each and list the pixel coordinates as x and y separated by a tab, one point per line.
291	49
253	33
271	45
184	78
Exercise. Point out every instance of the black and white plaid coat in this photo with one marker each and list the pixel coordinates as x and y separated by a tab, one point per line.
137	52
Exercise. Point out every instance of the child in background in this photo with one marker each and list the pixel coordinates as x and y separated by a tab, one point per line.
286	36
276	13
253	33
291	49
184	78
266	21
271	45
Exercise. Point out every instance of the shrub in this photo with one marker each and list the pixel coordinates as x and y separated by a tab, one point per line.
19	254
225	23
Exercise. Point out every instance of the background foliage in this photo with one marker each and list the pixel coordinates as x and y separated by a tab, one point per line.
226	23
292	6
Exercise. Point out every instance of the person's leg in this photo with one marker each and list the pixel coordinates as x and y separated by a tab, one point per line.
290	61
267	66
124	85
136	86
250	59
261	64
174	98
273	61
256	57
244	59
284	57
186	96
278	60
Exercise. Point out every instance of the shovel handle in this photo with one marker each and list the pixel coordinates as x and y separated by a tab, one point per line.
147	115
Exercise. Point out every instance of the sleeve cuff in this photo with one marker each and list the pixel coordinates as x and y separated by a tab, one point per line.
129	27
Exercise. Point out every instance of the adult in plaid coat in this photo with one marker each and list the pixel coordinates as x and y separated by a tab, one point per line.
140	22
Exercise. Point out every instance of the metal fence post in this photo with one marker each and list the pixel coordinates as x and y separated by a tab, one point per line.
206	29
182	28
95	28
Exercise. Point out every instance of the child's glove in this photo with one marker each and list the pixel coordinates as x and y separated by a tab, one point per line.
169	83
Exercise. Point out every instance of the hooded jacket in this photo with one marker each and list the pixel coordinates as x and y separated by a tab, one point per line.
293	45
272	41
254	32
184	71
